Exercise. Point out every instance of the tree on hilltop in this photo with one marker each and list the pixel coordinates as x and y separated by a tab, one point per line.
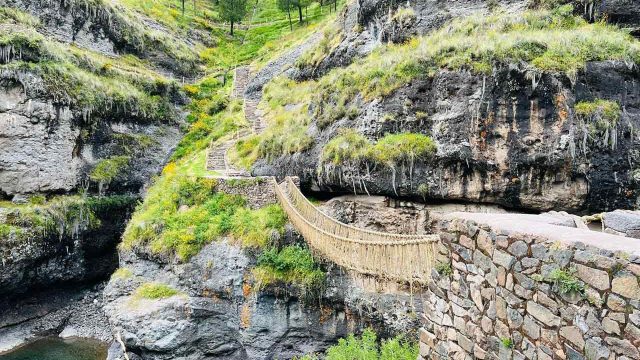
233	11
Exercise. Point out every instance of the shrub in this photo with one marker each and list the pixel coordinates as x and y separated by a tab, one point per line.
154	291
565	282
444	269
348	146
106	170
367	347
255	227
293	264
182	214
394	149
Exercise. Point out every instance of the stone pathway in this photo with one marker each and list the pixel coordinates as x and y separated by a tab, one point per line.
250	89
240	80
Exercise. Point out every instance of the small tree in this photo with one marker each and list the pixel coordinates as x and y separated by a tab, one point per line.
233	11
300	4
285	5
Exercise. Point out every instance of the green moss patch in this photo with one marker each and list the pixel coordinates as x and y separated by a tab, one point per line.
367	347
58	216
350	147
154	291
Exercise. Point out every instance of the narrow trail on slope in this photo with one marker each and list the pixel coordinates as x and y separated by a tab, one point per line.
250	89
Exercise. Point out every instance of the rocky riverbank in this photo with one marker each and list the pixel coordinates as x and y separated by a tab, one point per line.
66	312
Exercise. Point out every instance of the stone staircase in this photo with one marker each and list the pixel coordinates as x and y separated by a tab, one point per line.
252	114
240	81
217	155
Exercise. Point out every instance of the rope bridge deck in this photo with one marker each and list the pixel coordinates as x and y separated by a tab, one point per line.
405	258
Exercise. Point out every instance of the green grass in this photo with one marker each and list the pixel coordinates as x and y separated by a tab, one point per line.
331	38
259	43
126	29
541	40
506	343
291	265
101	86
122	273
181	215
444	269
287	130
367	347
604	114
154	291
212	116
536	41
106	170
351	147
197	14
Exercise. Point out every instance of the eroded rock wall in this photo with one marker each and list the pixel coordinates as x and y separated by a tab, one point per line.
501	139
45	147
84	253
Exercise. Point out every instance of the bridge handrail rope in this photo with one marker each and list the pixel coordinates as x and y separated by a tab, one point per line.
409	260
315	215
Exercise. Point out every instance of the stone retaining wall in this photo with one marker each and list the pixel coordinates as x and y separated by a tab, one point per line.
258	191
493	297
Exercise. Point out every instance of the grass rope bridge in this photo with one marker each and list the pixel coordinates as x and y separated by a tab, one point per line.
398	257
388	256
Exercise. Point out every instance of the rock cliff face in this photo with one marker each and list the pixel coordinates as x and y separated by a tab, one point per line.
45	147
510	138
78	120
500	140
82	250
217	314
111	29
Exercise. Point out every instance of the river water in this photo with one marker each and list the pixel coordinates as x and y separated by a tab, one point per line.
55	348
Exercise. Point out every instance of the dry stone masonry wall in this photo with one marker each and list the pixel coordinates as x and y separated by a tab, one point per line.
258	191
500	294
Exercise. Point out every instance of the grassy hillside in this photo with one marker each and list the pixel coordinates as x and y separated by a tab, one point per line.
537	41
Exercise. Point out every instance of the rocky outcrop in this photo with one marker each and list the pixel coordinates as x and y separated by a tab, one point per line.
368	23
111	29
501	139
47	148
219	314
620	222
81	250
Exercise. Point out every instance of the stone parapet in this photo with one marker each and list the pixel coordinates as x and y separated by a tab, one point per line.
510	289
